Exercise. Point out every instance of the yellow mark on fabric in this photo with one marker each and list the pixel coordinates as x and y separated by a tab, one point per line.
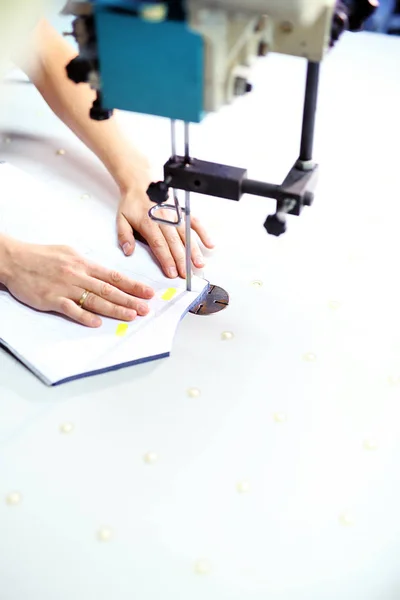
121	330
169	294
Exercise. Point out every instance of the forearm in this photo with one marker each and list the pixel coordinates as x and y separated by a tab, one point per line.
72	102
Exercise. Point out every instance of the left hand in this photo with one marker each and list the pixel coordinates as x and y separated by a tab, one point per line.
166	242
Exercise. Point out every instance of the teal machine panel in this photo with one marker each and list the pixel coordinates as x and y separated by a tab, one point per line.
151	68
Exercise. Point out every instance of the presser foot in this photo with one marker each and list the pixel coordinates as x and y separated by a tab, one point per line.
214	301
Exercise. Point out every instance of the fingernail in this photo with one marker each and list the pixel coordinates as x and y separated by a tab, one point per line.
172	272
126	247
149	291
143	308
199	262
96	321
131	314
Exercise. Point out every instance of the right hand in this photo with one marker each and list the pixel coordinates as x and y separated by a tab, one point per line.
53	278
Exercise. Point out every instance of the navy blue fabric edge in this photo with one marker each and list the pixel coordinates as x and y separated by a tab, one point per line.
112	368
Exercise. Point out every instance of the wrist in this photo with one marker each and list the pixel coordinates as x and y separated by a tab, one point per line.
7	250
133	173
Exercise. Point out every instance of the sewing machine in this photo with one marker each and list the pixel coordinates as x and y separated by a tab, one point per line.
182	59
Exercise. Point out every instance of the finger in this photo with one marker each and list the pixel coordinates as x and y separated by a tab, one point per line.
125	235
196	255
202	233
110	293
117	280
70	309
158	244
99	306
176	246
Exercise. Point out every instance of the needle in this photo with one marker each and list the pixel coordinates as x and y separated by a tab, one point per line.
188	252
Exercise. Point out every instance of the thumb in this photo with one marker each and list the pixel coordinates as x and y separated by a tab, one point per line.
125	235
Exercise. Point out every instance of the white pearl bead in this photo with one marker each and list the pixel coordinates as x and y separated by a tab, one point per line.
60	152
227	335
257	284
85	196
202	566
243	487
393	380
104	534
150	458
7	140
334	304
13	498
66	427
309	357
370	445
280	417
346	520
194	393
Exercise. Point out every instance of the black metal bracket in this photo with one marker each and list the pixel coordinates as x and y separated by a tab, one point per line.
223	181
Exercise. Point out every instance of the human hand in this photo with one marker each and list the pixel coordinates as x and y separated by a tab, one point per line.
53	278
166	242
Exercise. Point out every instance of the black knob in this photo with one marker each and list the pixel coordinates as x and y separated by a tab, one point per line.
308	199
360	11
78	70
274	225
98	113
158	192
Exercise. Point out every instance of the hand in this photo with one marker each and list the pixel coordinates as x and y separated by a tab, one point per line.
166	242
53	278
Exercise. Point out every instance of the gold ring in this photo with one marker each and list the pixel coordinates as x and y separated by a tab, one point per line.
83	298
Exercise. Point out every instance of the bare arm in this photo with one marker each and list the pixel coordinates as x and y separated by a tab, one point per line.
50	54
71	103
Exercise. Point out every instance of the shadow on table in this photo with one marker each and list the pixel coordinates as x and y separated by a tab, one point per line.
18	379
76	165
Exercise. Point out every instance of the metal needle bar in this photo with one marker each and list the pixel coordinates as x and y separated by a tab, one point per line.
309	111
187	243
187	154
173	138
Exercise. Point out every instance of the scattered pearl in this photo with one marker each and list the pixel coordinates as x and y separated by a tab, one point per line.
280	417
150	458
257	284
346	520
370	445
334	304
85	196
7	140
243	487
194	393
309	357
227	335
202	567
104	534
393	380
60	152
66	427
13	498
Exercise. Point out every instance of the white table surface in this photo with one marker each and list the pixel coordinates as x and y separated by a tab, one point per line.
302	406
